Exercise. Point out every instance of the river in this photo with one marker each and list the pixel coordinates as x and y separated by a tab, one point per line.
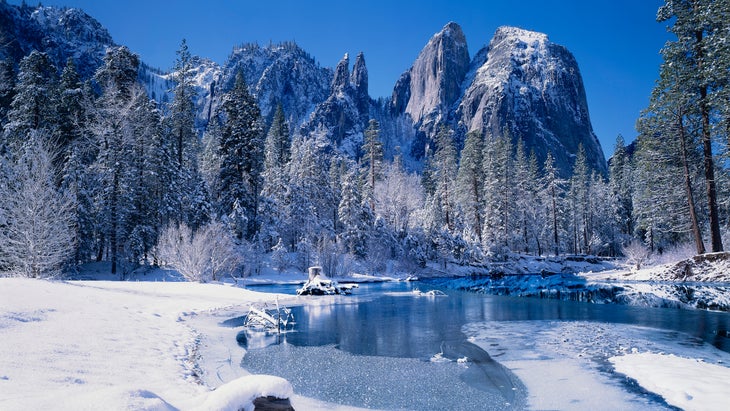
389	347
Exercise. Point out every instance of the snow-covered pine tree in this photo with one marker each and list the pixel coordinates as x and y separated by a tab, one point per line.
242	159
34	102
309	205
498	193
277	153
552	191
119	125
372	160
187	184
697	64
620	179
355	216
7	90
444	165
526	202
579	205
71	113
470	185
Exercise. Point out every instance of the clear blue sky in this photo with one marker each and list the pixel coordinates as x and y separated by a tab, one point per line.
616	42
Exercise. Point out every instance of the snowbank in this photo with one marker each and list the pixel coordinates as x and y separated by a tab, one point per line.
686	383
240	393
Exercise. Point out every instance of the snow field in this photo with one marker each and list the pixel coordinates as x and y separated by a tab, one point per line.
111	345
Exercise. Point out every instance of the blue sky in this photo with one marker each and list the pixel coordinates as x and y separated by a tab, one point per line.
616	42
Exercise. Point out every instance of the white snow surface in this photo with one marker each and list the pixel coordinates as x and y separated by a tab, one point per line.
115	345
687	383
566	365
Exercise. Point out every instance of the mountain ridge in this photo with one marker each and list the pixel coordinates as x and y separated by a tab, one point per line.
520	83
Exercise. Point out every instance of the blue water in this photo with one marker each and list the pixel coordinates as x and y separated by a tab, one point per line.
357	350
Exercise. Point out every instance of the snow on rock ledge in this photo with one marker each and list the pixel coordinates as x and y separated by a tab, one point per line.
240	393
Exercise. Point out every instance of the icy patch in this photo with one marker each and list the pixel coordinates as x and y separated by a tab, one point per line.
687	383
329	374
549	356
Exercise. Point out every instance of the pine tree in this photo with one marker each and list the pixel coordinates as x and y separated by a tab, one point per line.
696	60
277	149
355	216
551	193
182	112
242	159
34	103
117	127
498	193
470	185
579	203
372	160
620	179
7	89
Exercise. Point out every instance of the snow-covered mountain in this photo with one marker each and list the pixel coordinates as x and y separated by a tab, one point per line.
520	82
278	74
532	87
59	32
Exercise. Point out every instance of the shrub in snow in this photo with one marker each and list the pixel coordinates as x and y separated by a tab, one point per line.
203	255
636	253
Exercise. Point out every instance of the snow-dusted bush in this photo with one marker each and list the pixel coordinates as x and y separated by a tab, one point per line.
36	219
204	255
636	253
675	253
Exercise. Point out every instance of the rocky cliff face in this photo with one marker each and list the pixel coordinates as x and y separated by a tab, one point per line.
346	111
523	83
279	74
429	89
60	32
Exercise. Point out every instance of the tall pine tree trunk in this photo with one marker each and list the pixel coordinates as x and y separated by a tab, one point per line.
688	188
715	236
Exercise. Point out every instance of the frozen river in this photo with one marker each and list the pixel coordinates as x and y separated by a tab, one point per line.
390	348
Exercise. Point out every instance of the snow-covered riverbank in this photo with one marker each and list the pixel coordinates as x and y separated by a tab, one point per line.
118	346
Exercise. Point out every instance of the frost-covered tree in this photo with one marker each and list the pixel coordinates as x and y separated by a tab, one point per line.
34	101
552	191
620	179
7	89
372	160
242	159
355	216
695	68
470	185
399	198
203	255
498	192
36	219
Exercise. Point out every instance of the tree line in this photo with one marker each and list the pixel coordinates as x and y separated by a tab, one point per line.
97	171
